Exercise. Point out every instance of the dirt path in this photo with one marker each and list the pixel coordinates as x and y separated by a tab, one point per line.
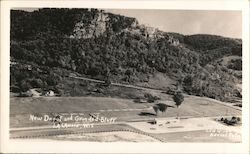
116	84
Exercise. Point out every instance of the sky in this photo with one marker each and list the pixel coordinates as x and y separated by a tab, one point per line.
188	22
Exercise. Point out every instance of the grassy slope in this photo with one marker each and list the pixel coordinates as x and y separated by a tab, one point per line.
21	108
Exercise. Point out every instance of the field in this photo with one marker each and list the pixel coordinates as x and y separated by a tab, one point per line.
123	109
131	117
22	108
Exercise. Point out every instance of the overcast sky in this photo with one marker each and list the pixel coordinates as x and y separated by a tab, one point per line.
225	23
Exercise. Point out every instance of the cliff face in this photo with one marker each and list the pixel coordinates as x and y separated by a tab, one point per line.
101	24
98	44
95	28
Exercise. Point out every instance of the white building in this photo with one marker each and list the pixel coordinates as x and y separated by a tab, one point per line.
50	93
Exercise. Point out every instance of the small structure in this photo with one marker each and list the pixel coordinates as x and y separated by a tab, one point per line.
35	93
50	93
173	41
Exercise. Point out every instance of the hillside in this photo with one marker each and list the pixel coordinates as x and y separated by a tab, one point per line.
48	44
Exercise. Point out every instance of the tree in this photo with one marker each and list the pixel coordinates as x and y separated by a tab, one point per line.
36	83
25	85
162	107
129	73
187	83
178	98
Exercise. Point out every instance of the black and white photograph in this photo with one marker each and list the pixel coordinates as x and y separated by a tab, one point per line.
122	75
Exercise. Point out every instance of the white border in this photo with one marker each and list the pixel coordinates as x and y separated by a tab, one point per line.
80	147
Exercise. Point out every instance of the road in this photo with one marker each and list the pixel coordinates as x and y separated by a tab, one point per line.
49	131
